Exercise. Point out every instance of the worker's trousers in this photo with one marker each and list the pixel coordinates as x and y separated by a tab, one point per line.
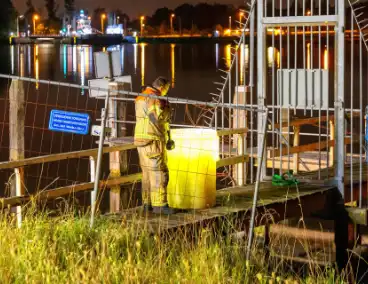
153	161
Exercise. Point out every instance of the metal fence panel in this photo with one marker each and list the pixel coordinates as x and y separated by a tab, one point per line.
302	89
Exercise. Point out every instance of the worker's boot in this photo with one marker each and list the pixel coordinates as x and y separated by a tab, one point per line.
147	208
164	210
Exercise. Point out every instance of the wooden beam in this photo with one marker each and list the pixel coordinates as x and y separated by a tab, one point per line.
306	148
232	161
16	139
67	190
309	121
62	156
225	132
331	154
126	194
116	110
302	121
296	144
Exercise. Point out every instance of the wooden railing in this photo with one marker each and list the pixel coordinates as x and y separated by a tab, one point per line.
239	159
296	149
67	190
88	186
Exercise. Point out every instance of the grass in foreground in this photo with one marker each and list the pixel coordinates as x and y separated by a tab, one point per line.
66	250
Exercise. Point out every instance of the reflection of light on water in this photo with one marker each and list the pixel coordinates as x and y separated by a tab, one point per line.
217	54
12	58
82	68
79	59
21	61
308	56
113	48
273	56
86	59
36	65
135	57
90	60
18	58
122	57
173	65
244	60
29	60
325	59
70	59
74	59
228	55
65	66
143	61
241	70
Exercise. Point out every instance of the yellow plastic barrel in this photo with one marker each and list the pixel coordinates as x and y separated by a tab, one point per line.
192	168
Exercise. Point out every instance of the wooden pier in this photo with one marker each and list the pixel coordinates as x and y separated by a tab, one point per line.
234	205
310	198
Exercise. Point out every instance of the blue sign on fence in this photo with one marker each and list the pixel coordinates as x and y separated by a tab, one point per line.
71	122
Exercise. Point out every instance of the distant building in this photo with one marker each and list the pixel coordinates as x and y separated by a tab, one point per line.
115	29
84	24
75	23
69	22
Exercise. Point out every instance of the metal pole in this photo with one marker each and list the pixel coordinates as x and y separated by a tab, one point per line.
339	99
352	101
216	119
261	86
251	84
360	122
256	189
17	26
100	147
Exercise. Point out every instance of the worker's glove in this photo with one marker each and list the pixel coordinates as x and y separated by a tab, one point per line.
170	145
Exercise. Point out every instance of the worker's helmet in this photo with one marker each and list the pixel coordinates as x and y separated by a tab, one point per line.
162	84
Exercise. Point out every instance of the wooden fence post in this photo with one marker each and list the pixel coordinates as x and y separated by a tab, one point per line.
16	139
122	132
240	120
331	150
118	160
296	143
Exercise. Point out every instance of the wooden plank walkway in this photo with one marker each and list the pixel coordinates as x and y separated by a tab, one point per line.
234	204
355	179
351	173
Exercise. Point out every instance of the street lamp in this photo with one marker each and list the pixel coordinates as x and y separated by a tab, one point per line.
35	18
230	23
241	15
171	23
103	17
117	19
142	25
19	17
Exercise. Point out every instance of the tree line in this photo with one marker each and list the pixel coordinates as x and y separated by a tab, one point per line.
201	17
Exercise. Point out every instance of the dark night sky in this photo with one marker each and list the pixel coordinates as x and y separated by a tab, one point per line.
132	7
